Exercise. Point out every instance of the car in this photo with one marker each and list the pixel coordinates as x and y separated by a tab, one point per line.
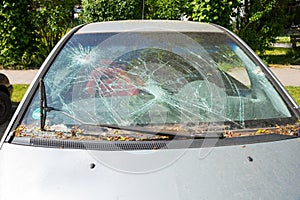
6	90
152	109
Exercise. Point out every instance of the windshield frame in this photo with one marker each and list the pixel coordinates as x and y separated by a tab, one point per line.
292	106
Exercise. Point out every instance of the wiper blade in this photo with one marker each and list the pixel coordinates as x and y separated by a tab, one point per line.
43	105
171	134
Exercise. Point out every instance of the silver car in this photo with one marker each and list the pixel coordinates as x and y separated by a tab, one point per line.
152	110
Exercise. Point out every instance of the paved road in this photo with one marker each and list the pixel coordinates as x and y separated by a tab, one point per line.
288	75
20	76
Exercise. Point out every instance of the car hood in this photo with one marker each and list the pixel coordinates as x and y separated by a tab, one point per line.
262	170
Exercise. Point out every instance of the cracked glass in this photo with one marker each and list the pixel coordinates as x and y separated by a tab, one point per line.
160	81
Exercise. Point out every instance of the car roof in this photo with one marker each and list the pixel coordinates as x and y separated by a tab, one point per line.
148	26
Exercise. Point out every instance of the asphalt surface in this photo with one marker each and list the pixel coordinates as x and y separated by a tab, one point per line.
20	76
288	76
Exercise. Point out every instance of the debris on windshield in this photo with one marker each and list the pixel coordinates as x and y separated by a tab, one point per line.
75	133
292	130
109	134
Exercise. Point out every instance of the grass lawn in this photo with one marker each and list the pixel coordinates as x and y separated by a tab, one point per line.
283	39
283	56
18	93
294	92
20	89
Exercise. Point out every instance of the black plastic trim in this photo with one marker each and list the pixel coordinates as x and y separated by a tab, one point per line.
147	145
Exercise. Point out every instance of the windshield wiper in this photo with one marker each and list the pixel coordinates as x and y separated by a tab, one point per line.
43	105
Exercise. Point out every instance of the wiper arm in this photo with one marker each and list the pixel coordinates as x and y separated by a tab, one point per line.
43	105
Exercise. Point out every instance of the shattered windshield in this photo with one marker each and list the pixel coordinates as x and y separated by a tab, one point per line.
117	85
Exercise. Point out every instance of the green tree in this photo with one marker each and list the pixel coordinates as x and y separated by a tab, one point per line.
167	9
108	10
17	36
29	29
262	21
52	19
218	12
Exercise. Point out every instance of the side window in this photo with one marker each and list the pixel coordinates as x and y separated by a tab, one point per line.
249	93
235	75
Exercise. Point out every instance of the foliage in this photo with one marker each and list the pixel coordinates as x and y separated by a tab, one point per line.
283	56
257	22
52	20
29	29
263	20
108	10
283	39
17	36
167	9
218	12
